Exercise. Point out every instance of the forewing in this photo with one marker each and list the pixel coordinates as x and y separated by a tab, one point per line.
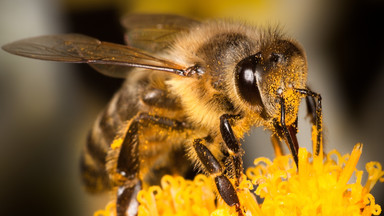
78	48
154	32
116	71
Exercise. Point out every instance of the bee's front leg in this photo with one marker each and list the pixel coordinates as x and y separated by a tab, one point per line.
128	163
315	112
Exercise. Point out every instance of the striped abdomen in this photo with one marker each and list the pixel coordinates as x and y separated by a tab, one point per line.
162	150
120	109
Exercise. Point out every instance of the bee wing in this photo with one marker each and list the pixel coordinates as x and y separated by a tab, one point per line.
154	32
111	59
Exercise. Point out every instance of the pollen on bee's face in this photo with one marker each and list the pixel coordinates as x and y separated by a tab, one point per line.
276	90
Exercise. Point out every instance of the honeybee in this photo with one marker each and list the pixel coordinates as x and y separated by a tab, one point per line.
192	90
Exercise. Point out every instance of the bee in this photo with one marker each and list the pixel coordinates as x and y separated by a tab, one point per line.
192	90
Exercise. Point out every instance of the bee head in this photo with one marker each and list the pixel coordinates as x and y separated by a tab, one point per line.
273	74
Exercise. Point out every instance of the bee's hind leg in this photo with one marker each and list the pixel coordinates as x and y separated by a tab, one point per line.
128	163
128	167
126	203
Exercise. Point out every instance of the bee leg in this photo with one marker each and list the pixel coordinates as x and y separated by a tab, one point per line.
126	203
128	164
232	145
315	112
311	108
214	168
128	167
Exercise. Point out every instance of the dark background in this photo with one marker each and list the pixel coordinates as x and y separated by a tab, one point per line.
46	108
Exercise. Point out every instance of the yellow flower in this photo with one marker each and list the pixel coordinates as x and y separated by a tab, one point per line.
321	187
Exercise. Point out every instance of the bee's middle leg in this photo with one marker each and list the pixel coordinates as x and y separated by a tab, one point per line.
216	171
232	145
128	163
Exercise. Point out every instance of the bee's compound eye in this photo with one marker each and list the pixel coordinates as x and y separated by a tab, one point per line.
245	76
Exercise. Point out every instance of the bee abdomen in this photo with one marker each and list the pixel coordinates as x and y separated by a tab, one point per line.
94	175
93	162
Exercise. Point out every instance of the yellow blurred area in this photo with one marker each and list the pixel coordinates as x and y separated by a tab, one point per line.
200	7
256	10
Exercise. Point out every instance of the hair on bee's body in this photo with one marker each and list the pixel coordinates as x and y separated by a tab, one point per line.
112	124
217	47
209	83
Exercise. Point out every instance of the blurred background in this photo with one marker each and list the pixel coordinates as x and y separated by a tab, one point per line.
46	108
